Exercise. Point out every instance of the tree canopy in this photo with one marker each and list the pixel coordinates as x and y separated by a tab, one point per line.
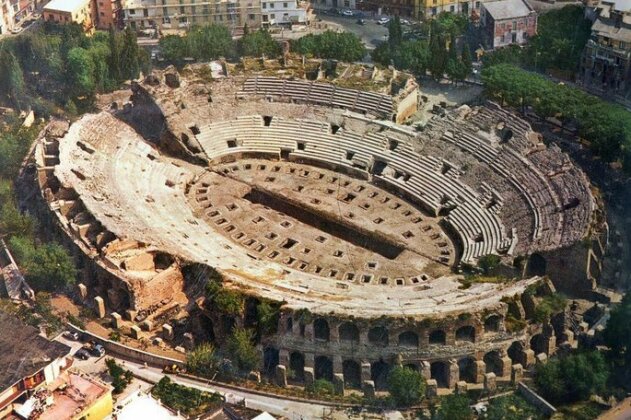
343	46
406	386
454	407
572	378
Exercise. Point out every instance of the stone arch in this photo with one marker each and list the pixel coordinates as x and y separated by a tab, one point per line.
323	368
538	344
379	372
440	372
467	369
437	337
348	332
321	329
466	333
378	336
289	325
515	352
537	265
352	374
208	328
271	359
408	339
492	323
297	365
493	361
250	312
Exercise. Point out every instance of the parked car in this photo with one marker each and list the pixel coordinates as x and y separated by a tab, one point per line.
82	354
71	335
347	13
361	22
97	350
383	21
404	22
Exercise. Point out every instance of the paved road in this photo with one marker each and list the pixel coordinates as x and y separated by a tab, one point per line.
371	33
278	406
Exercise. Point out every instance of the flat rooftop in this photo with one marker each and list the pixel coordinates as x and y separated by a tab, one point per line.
66	6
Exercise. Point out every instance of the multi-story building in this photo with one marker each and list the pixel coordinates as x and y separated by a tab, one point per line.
6	16
431	8
606	61
506	22
27	362
282	12
108	14
82	12
174	14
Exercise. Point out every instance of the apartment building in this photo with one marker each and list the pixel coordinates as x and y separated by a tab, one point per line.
283	12
108	14
606	61
182	14
506	22
82	12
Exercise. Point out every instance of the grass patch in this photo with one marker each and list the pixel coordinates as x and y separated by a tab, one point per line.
189	401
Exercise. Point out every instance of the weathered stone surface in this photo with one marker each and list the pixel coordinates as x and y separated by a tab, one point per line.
99	307
116	320
255	376
431	388
83	291
167	332
309	377
281	375
135	332
338	383
368	388
517	373
490	383
461	387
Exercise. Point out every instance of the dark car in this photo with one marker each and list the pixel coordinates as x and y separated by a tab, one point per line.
71	335
361	22
97	350
82	354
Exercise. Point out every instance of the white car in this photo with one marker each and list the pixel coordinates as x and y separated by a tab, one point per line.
383	21
348	13
404	22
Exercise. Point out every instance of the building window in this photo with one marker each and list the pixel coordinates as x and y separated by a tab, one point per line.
433	11
477	4
514	25
264	5
451	8
285	5
251	17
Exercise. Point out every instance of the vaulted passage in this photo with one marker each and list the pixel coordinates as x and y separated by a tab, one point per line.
351	234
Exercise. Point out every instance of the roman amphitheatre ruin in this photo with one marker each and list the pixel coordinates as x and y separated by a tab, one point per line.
312	193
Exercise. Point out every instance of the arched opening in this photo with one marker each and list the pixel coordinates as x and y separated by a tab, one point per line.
208	329
321	329
440	372
466	333
378	336
467	369
250	315
379	372
408	339
323	368
227	324
538	344
437	337
297	366
412	366
270	360
537	265
493	362
352	374
492	323
515	352
289	325
349	332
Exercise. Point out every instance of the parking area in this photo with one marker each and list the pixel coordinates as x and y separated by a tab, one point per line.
370	32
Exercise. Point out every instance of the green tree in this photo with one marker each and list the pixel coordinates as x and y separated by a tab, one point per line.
489	262
129	65
438	53
81	71
617	336
258	44
209	42
115	55
454	407
12	79
46	267
406	386
342	46
120	377
395	33
173	48
511	407
267	315
572	378
241	349
202	360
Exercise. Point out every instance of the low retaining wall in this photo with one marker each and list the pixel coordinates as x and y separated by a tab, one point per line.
535	399
129	352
